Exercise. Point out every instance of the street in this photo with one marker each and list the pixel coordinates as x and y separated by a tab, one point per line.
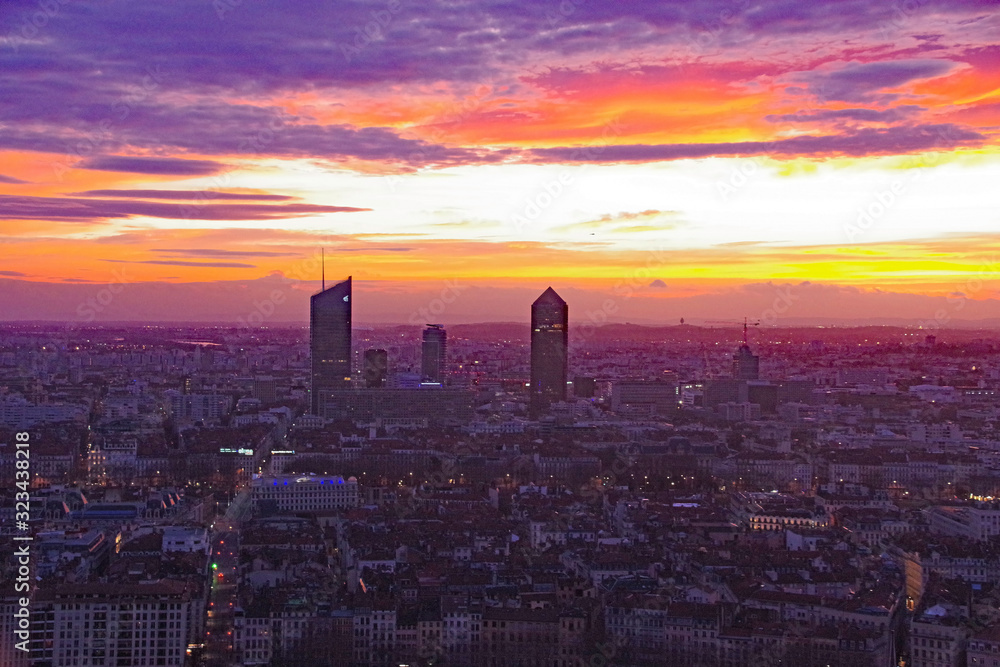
222	599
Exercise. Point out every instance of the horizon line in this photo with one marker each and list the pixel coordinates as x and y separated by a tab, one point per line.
994	324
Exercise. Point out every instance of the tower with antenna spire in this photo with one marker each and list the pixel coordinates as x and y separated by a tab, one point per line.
746	364
330	340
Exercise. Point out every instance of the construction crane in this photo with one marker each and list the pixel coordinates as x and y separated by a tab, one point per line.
746	323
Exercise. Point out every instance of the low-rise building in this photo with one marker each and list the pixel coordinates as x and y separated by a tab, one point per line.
304	493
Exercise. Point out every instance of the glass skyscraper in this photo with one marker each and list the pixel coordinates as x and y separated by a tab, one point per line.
433	352
330	340
549	346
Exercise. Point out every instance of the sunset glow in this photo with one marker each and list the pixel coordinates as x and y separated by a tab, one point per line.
697	151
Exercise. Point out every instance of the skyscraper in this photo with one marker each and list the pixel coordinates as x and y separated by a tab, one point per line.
376	368
549	346
433	353
746	364
330	340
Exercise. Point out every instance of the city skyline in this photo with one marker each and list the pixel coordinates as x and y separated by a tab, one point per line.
182	469
276	301
660	156
499	334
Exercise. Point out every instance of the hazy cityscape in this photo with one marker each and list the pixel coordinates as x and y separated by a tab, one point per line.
502	494
479	333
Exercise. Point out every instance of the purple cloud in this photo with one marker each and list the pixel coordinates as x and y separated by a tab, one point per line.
893	115
860	82
90	210
211	252
166	166
11	180
218	128
80	90
199	195
374	249
164	262
202	48
13	274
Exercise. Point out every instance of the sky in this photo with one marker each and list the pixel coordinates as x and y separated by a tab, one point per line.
778	160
